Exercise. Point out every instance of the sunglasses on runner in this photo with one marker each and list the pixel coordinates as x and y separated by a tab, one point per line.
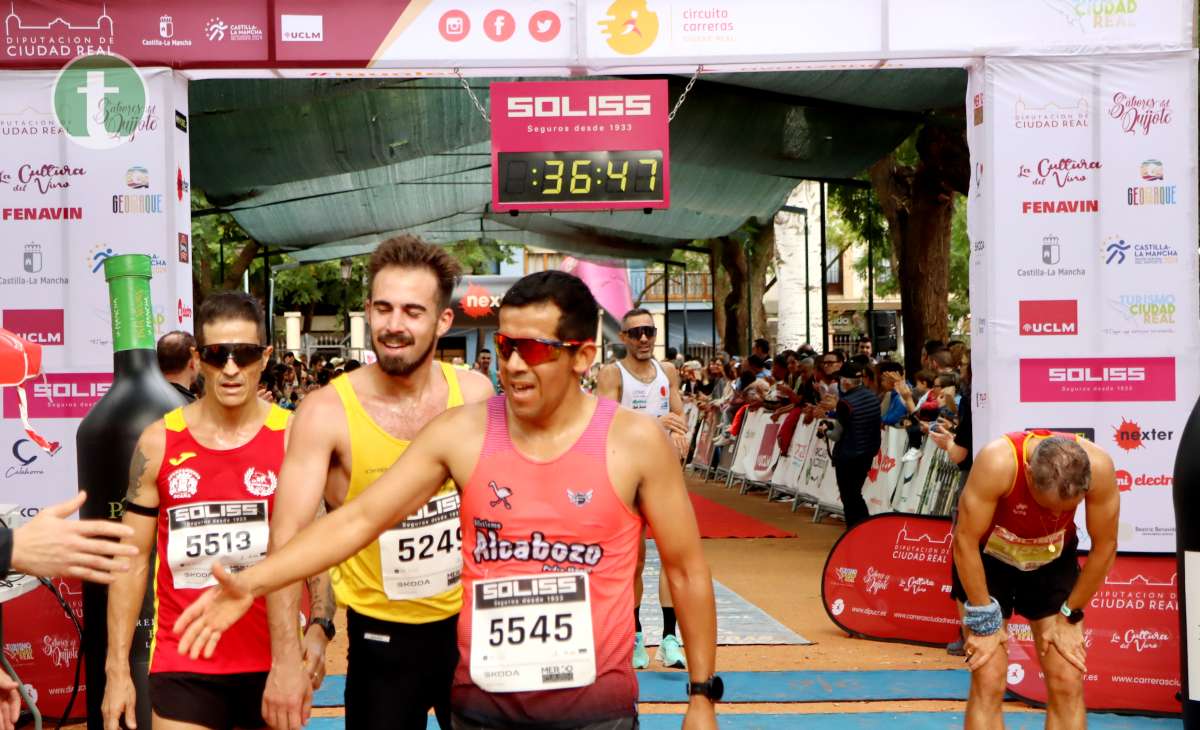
243	354
636	333
533	350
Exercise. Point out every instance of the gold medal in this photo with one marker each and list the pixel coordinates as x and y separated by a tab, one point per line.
1053	549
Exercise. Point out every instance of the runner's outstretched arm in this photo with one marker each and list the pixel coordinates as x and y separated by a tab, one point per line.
310	440
400	491
663	500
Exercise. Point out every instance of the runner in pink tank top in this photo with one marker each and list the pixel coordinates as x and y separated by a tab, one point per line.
555	484
529	518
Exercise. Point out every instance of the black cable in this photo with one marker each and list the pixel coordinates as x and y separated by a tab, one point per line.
78	655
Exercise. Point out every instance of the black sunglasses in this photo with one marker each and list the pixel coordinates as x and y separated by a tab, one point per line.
636	333
243	354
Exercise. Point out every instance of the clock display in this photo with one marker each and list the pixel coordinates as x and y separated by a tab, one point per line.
565	177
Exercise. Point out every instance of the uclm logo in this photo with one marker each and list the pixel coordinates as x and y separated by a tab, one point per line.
1049	317
59	395
605	105
39	326
1097	379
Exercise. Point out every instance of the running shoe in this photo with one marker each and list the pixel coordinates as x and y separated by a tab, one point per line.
641	659
671	652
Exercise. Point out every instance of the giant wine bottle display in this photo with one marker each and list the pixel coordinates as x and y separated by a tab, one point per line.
1187	542
139	395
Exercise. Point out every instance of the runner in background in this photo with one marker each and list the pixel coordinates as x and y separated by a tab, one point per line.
1015	550
202	483
402	592
641	383
555	486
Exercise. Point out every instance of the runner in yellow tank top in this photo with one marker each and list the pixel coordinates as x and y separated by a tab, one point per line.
401	592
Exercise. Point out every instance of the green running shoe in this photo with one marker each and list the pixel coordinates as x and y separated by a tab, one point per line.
641	659
671	652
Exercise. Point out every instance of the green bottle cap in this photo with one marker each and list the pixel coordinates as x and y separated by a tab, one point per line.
133	264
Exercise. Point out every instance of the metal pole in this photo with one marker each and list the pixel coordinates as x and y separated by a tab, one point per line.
807	287
666	308
749	300
685	308
221	267
712	294
824	279
871	291
268	292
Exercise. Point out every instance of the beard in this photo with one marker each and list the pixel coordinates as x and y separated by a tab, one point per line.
400	365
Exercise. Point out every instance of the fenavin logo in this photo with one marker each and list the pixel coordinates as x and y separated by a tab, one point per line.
99	101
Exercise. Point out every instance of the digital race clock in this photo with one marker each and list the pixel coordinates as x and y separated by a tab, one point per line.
555	177
579	145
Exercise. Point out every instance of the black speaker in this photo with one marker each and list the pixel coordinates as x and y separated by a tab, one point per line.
884	326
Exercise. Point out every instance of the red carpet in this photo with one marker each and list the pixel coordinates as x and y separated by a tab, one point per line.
717	520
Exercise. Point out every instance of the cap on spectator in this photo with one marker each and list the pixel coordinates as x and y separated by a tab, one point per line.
850	370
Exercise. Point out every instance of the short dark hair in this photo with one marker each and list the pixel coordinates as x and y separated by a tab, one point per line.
323	377
763	344
174	351
232	304
409	252
943	358
932	346
633	313
927	375
889	366
1061	464
292	355
672	353
946	380
351	365
579	315
483	351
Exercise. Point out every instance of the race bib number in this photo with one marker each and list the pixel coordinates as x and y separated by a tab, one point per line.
422	556
1024	553
234	533
532	633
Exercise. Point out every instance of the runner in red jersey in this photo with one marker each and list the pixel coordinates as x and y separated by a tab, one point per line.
1015	549
202	486
555	486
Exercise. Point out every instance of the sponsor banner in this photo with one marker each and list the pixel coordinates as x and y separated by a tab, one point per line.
59	395
42	645
889	578
476	301
1097	379
1041	317
1132	634
41	35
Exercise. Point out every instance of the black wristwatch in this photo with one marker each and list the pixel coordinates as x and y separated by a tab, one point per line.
713	689
326	626
1072	616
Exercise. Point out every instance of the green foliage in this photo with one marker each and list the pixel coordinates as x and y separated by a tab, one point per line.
480	255
856	216
960	267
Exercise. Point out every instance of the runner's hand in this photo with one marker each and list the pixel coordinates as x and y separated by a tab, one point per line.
287	698
120	701
674	423
1068	639
10	702
52	545
314	655
981	649
199	627
701	714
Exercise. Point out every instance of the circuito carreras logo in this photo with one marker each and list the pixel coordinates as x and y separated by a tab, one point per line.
631	26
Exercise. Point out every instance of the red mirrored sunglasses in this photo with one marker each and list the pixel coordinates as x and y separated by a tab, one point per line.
533	350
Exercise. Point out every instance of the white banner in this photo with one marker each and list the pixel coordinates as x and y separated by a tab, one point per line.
63	210
1084	279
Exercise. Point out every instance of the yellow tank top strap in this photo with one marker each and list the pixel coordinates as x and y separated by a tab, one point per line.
174	420
277	419
454	397
345	391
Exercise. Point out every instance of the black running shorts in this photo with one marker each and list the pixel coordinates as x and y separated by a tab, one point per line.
396	672
218	701
1035	594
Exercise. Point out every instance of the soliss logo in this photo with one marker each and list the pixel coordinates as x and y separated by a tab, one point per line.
1099	375
631	105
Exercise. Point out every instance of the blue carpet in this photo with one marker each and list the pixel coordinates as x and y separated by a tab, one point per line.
947	684
739	621
859	721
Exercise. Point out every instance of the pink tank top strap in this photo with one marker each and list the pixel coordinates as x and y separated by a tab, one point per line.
594	440
496	439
